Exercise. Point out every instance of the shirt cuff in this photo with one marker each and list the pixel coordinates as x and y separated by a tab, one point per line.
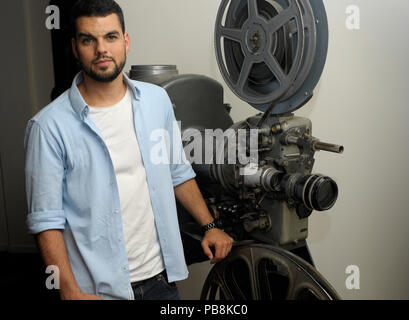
38	222
186	177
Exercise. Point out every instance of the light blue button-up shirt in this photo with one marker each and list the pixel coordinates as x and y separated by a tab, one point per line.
71	186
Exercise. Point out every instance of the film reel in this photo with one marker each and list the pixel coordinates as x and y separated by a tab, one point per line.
264	272
272	51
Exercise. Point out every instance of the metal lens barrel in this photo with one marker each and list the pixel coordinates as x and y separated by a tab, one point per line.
316	192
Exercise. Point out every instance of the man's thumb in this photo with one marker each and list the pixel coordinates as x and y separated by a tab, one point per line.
207	250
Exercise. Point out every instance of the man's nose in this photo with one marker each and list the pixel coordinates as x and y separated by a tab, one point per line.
101	47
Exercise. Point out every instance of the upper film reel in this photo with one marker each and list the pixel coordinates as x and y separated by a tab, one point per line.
272	51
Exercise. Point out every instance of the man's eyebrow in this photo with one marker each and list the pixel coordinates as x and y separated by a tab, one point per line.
86	35
113	33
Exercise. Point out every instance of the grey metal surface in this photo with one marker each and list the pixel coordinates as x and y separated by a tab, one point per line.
198	102
263	272
257	29
304	23
309	48
306	91
155	74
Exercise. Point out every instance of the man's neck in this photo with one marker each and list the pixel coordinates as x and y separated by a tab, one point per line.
100	94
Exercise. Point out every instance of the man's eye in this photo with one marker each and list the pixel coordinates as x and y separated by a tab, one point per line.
86	41
112	37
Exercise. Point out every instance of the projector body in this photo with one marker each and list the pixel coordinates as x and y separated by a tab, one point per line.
256	175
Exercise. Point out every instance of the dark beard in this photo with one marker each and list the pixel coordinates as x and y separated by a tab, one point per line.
106	77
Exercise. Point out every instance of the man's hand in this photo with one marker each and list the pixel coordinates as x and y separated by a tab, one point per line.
83	296
191	198
78	295
218	239
54	252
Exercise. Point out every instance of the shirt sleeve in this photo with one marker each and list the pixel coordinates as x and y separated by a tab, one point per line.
180	167
44	171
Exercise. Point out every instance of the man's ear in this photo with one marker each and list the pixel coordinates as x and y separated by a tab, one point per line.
74	47
127	42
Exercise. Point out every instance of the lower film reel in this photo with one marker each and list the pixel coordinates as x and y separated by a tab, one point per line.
264	272
272	51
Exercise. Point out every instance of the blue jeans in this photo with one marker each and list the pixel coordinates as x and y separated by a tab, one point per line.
156	288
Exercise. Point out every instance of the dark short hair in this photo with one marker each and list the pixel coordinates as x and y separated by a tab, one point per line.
94	8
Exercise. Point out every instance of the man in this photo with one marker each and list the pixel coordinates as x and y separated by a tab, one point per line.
103	213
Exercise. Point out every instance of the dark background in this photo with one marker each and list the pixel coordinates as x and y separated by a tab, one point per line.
22	272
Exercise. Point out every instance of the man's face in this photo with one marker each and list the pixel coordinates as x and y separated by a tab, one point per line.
101	47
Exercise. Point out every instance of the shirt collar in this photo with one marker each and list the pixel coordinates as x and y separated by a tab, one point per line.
78	102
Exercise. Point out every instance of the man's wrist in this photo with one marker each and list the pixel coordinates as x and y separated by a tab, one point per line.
209	226
69	289
70	294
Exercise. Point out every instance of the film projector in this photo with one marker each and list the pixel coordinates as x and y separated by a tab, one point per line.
271	54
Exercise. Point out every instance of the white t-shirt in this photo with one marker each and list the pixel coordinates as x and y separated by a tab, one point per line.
142	244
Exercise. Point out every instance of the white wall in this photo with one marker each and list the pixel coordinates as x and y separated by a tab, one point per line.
360	102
